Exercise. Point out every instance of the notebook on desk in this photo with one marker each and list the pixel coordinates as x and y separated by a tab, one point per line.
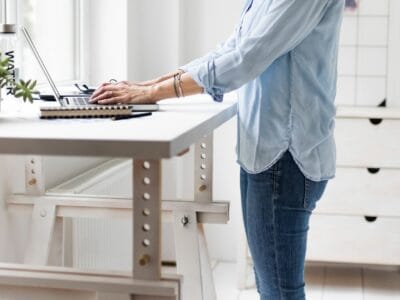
79	106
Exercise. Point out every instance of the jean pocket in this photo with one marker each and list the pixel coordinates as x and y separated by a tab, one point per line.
313	191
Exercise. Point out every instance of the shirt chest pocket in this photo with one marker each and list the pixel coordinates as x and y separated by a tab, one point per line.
251	14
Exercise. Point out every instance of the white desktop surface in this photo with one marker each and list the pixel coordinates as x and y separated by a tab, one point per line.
177	125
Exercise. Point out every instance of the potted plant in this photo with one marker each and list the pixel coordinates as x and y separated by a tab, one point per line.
19	89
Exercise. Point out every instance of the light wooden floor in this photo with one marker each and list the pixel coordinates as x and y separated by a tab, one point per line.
323	283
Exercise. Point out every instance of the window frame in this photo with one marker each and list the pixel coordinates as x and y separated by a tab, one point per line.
81	41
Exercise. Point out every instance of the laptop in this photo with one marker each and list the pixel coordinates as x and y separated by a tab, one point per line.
78	100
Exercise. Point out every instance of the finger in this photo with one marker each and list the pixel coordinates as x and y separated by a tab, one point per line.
113	100
104	95
107	91
97	92
100	89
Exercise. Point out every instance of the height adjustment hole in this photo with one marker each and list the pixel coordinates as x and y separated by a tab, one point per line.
146	227
146	242
146	165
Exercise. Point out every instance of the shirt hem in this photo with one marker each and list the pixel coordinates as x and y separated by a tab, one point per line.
278	157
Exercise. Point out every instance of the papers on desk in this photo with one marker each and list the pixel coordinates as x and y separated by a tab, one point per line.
92	111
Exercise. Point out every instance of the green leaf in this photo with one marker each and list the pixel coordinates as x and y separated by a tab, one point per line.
33	84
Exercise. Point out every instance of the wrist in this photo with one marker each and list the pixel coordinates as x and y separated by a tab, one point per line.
154	93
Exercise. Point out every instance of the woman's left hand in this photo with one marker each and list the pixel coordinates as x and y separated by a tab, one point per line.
122	93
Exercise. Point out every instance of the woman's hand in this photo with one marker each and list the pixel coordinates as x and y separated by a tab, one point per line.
123	93
146	92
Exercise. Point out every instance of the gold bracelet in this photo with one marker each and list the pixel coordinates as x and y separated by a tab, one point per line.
180	84
175	88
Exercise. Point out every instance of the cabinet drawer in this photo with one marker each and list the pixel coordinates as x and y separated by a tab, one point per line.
362	144
362	191
354	240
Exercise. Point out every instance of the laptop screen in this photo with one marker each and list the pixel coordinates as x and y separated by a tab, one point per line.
41	63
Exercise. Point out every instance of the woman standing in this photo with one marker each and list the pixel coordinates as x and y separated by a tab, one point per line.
282	58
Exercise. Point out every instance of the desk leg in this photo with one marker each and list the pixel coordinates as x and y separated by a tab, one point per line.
43	216
34	176
209	291
43	222
147	219
187	254
190	243
203	169
204	160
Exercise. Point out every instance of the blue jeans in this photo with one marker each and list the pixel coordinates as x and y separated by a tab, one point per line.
277	205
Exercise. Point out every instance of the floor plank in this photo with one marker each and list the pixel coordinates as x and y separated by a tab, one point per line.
344	283
225	281
251	294
323	282
381	284
314	277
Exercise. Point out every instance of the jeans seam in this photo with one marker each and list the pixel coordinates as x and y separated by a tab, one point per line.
274	199
306	193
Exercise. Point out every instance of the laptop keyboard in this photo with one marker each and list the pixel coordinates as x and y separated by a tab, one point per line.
79	101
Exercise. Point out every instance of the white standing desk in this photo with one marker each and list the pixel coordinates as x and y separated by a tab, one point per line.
166	134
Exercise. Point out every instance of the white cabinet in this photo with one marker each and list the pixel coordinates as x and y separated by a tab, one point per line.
358	218
354	239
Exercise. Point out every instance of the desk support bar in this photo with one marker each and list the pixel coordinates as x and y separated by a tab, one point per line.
147	219
90	206
203	169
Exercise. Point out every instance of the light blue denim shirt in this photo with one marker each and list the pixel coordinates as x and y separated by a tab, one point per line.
282	58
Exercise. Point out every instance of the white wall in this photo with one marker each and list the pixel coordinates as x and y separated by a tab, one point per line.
153	38
107	40
162	35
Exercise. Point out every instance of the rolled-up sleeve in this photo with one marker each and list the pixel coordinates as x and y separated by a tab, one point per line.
283	25
195	67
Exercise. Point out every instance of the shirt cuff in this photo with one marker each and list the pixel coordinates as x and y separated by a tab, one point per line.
204	76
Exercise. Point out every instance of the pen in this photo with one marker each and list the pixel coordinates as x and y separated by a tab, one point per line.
134	115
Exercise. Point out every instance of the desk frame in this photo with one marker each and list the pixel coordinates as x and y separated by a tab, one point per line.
197	120
188	218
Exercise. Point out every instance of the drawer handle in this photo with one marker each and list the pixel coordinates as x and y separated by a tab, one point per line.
375	121
373	170
370	219
378	121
